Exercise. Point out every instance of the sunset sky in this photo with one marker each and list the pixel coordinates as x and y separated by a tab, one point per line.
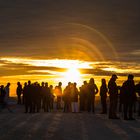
42	39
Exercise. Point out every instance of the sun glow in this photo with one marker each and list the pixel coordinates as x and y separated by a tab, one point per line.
60	70
72	75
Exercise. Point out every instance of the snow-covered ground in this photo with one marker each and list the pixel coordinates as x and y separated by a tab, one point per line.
65	126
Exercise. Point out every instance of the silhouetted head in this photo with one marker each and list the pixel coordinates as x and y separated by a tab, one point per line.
42	83
60	84
91	80
85	82
8	84
46	84
69	83
18	83
51	86
103	81
29	82
114	76
25	84
75	84
130	77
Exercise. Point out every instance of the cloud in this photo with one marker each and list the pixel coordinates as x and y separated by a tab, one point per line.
24	66
136	53
60	63
34	29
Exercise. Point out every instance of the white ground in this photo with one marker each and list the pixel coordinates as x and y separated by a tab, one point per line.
65	126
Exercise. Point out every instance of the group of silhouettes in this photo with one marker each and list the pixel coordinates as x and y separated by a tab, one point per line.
38	97
4	95
127	97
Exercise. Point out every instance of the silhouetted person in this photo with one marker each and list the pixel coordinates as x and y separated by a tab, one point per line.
36	97
2	96
33	97
51	97
42	95
19	92
58	92
138	91
24	92
103	94
67	98
84	96
46	97
92	91
38	100
129	97
28	97
80	99
74	98
7	92
113	95
120	98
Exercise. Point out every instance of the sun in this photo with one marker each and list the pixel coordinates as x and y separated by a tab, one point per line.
72	75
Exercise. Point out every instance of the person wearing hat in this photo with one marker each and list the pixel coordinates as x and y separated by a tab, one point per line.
113	96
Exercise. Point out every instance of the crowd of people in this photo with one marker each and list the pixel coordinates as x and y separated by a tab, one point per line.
36	97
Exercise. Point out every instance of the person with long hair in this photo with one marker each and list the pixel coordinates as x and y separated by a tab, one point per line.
103	94
92	91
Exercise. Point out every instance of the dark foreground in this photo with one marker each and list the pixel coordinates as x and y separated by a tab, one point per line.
65	126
